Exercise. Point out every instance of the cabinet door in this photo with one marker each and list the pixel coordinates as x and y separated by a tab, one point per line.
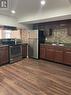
58	54
50	52
42	51
67	56
24	50
4	55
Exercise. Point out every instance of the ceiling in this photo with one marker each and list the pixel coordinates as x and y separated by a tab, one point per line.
27	9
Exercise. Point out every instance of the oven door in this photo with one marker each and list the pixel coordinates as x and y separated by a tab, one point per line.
15	53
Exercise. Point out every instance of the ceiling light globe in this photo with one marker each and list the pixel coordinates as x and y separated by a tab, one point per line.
13	12
43	2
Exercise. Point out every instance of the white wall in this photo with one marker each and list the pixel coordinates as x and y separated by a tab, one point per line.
6	20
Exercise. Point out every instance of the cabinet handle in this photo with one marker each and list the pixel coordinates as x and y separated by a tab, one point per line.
68	52
68	49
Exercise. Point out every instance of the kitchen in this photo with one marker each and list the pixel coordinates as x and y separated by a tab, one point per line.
35	51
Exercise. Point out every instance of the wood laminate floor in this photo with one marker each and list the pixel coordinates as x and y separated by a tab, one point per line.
35	77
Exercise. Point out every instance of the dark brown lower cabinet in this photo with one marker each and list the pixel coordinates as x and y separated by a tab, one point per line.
52	53
49	52
4	55
24	50
67	56
58	54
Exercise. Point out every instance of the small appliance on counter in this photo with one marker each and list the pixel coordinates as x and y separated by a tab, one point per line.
15	49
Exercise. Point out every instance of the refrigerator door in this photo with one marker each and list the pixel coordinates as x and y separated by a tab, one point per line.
33	46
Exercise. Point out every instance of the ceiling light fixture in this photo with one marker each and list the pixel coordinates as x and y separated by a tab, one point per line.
13	12
43	2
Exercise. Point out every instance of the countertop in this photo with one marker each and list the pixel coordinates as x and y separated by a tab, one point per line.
3	45
67	45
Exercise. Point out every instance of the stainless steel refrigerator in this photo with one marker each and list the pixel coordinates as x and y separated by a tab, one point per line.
33	44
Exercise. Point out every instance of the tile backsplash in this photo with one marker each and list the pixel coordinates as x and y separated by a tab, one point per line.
59	35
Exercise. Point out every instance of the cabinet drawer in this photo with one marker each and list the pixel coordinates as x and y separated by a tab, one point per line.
59	48
67	49
49	47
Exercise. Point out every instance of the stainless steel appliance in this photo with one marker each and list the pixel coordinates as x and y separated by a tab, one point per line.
33	45
15	52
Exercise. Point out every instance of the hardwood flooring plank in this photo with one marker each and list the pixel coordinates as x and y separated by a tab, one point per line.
35	77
